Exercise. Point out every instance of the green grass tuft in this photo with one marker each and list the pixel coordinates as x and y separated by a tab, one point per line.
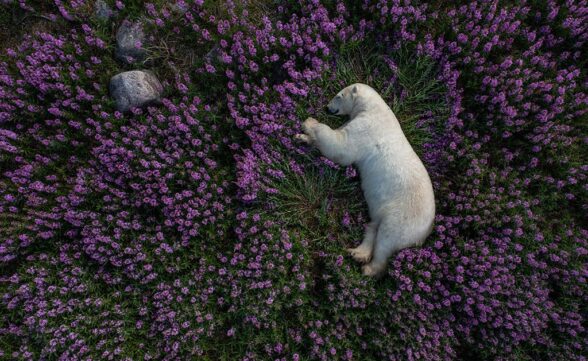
316	203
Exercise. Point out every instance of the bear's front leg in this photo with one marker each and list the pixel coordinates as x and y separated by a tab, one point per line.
332	143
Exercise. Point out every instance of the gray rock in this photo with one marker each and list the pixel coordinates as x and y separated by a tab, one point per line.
179	7
102	10
214	55
128	36
134	88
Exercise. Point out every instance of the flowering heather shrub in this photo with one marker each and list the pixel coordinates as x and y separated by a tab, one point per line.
196	228
43	134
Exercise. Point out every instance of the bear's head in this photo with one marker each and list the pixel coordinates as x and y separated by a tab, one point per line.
344	102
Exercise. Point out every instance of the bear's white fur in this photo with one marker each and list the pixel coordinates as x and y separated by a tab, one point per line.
395	183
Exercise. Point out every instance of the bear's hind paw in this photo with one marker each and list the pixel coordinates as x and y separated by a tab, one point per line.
360	254
373	270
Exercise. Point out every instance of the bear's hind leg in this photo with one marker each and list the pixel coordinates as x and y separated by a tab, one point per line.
389	239
363	252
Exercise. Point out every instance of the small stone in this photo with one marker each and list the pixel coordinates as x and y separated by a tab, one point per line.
180	7
214	55
130	39
102	10
134	88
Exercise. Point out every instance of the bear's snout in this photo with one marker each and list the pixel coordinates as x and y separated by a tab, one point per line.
330	111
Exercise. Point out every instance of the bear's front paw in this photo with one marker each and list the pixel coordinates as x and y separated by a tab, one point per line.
308	124
303	138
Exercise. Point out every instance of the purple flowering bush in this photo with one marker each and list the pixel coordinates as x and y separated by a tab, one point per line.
197	228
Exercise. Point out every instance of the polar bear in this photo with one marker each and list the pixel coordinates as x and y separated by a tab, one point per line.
394	181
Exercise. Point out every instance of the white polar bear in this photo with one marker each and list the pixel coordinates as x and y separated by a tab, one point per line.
395	183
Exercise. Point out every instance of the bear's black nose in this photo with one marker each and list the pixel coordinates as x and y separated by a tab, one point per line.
329	111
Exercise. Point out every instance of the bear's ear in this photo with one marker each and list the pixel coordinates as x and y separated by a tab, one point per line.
354	90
